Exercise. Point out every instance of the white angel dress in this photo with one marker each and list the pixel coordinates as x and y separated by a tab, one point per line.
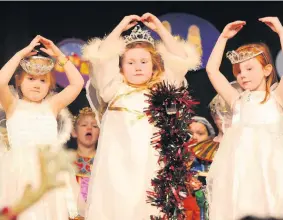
32	124
246	175
125	161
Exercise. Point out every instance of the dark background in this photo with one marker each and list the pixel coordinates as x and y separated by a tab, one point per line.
21	21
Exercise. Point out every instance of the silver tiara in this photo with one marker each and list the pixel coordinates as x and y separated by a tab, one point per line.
236	57
138	34
37	65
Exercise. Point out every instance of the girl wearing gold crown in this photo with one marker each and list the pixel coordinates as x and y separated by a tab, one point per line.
86	132
123	71
246	177
32	116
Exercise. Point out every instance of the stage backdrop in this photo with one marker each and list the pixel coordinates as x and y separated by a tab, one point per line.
192	28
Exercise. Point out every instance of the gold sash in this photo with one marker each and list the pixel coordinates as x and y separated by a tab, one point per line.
139	114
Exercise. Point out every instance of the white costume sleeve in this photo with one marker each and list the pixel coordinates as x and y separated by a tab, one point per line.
105	75
177	67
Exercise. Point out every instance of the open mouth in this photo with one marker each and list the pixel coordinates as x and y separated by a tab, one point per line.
88	135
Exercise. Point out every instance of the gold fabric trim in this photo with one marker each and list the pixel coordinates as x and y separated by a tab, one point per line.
111	107
205	150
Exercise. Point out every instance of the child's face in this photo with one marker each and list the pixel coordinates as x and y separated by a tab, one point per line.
34	88
86	131
137	66
252	75
198	131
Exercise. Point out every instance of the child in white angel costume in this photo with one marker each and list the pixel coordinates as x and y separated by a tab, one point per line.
245	178
32	116
123	71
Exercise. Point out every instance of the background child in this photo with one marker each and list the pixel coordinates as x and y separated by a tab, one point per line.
86	133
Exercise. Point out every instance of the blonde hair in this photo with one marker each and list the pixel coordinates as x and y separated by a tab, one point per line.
264	59
86	111
158	65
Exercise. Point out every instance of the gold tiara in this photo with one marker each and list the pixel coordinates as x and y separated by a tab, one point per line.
37	65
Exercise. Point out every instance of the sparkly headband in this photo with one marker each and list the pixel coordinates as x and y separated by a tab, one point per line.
37	65
137	35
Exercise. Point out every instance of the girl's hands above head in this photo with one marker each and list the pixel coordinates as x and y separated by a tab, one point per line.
274	24
128	22
50	48
231	29
29	50
152	22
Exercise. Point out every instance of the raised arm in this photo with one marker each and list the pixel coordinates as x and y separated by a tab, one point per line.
171	44
217	79
76	81
6	73
126	23
275	24
179	56
104	57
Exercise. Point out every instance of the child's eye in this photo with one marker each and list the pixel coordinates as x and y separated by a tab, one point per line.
30	78
42	80
130	63
249	69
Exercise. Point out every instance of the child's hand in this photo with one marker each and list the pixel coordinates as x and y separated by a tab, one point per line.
128	22
28	51
50	48
152	22
232	29
274	23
